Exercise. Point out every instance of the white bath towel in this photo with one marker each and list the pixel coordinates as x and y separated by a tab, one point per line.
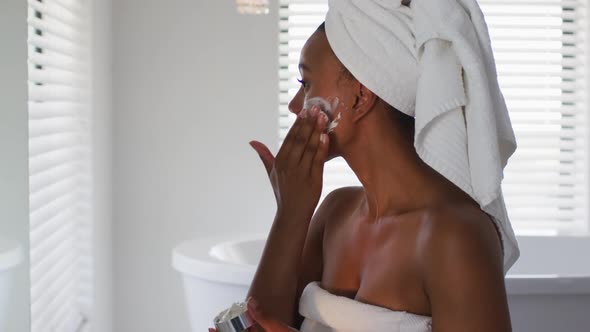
326	312
433	60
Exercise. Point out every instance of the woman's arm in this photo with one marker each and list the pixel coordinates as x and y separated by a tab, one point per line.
296	176
289	267
463	276
275	283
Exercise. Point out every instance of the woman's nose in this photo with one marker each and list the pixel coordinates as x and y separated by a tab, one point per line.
296	104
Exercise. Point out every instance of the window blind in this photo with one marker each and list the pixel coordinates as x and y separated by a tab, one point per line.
541	56
59	165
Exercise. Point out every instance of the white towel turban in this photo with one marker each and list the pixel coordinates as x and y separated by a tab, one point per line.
432	59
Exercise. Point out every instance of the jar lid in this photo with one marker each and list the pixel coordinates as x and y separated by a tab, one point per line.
239	319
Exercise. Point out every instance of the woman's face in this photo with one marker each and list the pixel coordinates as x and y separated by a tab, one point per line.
322	76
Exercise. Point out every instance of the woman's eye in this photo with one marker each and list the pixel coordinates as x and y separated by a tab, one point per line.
302	82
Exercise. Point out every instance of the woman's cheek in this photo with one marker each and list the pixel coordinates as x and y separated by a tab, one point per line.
338	109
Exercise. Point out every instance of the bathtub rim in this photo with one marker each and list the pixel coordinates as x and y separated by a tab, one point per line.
192	258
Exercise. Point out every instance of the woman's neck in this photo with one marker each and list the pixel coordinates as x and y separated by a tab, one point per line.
394	177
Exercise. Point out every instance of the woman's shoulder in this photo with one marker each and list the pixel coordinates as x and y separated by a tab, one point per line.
460	230
460	262
343	196
335	203
347	192
339	203
456	220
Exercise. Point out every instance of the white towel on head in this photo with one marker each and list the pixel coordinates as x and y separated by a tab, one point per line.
433	60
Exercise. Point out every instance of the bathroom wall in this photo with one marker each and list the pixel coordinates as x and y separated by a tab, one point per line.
102	147
193	83
14	152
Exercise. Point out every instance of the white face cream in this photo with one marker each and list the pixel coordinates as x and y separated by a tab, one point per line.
326	107
334	123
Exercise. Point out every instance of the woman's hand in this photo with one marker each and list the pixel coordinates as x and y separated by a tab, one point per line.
268	324
296	174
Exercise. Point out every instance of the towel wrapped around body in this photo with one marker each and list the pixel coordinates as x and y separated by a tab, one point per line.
326	312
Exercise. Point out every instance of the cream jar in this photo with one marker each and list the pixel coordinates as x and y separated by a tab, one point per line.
233	319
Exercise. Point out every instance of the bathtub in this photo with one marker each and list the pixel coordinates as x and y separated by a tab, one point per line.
217	271
10	258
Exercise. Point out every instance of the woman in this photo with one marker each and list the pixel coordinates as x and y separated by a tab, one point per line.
408	241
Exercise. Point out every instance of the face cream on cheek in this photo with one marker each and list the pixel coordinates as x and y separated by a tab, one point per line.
326	107
333	124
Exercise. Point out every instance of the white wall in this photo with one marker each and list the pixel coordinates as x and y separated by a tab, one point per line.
102	147
193	83
14	151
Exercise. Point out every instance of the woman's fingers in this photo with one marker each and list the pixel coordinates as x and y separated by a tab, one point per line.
321	154
288	141
265	155
301	140
314	142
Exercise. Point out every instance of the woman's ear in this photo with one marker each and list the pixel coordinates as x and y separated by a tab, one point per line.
365	100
